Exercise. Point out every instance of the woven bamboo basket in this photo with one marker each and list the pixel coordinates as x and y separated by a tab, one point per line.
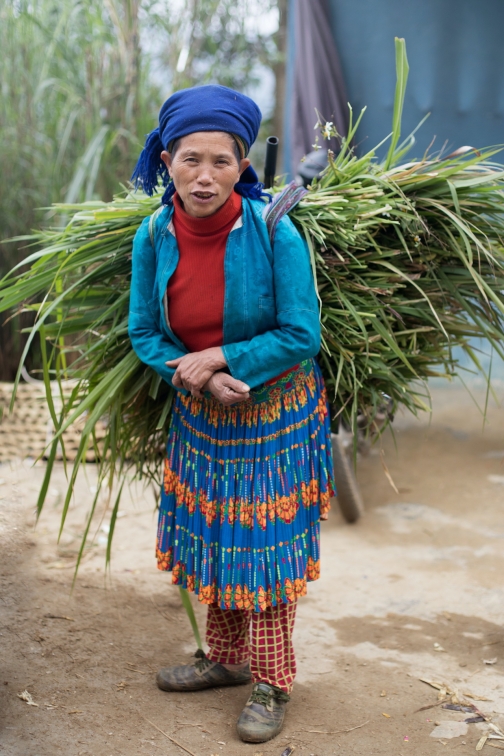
27	430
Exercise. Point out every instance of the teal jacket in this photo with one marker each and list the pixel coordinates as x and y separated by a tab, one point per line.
271	314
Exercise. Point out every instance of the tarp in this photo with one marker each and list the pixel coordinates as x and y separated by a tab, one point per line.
314	79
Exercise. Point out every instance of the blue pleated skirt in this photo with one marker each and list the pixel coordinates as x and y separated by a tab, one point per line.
243	491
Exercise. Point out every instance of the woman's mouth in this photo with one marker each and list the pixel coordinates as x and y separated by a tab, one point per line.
203	196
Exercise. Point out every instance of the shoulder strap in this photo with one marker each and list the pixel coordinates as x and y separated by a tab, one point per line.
152	224
282	204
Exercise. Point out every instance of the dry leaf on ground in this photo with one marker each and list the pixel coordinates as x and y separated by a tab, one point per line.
481	742
27	697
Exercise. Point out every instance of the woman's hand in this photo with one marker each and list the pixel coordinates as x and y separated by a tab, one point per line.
227	389
194	370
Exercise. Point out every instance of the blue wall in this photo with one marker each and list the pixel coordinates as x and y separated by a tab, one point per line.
456	57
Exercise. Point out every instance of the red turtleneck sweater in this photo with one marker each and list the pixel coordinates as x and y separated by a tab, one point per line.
196	289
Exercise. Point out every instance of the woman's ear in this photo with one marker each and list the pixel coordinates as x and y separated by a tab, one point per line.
167	160
244	164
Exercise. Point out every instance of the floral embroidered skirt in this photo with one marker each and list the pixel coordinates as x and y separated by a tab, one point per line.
244	487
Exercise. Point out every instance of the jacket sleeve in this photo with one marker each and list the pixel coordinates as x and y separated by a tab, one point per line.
152	346
297	336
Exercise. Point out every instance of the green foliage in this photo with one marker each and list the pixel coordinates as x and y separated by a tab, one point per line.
409	265
73	98
215	41
73	101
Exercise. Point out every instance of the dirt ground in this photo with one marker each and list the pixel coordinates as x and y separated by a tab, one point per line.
414	590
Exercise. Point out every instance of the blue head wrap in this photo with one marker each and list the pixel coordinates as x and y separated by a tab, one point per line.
206	108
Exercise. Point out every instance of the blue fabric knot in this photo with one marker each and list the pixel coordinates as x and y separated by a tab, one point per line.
250	186
150	167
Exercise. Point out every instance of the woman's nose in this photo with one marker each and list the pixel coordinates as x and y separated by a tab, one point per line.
205	175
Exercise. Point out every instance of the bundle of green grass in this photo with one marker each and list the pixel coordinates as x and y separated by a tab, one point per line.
409	263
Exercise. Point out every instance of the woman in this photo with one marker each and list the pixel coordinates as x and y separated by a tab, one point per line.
231	321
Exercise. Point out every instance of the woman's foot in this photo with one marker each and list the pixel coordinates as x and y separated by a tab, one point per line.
263	715
202	674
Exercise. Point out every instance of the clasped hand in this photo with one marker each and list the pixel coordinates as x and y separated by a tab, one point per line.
199	371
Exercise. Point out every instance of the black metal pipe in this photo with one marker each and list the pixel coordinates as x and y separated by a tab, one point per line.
271	161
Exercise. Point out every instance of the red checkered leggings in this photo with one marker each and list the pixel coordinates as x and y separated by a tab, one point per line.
263	638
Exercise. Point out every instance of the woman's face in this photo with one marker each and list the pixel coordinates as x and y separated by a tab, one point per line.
204	170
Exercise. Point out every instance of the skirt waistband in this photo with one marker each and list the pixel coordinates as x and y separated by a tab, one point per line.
296	376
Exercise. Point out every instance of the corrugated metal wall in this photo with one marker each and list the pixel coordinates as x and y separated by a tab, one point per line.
456	56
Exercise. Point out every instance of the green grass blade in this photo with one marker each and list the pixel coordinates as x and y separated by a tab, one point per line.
186	602
402	71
